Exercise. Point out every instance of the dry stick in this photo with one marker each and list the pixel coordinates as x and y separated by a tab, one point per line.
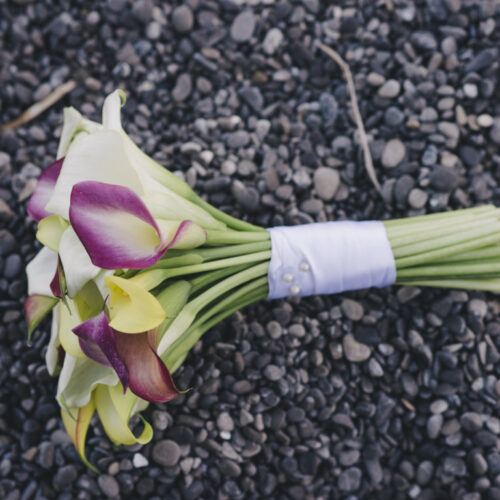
357	115
39	107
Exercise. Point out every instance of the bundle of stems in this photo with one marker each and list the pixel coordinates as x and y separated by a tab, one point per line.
458	249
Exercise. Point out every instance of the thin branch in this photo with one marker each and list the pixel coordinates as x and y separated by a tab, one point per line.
357	115
39	107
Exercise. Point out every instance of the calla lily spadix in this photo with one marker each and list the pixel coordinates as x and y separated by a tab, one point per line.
136	267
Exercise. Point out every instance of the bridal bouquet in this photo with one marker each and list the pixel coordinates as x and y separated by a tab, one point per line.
136	267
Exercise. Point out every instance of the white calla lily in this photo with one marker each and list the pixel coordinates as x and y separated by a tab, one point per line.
41	271
78	378
78	268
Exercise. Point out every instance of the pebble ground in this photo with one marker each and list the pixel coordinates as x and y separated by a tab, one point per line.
378	394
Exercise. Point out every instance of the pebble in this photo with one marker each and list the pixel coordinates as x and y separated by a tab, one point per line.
390	89
350	479
352	309
272	41
166	453
443	179
326	182
354	350
273	373
182	19
417	198
109	486
225	422
243	26
471	421
393	153
65	476
183	87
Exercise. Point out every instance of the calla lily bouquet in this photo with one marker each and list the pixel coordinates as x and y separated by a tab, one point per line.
136	267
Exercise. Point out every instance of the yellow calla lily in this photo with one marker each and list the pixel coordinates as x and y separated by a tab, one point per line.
50	231
115	409
76	424
69	319
132	309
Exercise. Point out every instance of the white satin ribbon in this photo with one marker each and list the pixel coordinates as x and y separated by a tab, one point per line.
329	257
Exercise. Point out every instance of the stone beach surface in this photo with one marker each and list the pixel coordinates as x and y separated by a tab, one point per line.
376	394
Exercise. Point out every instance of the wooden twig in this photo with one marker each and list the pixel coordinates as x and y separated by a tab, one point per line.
39	107
357	115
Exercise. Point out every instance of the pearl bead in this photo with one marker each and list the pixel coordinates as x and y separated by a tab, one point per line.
304	267
295	289
288	277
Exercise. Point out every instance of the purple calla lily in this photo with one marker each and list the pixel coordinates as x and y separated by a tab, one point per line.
132	356
44	190
117	229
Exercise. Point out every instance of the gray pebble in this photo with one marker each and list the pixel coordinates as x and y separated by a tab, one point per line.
393	154
443	179
425	472
166	453
354	350
272	41
326	182
390	89
109	486
350	479
417	198
352	309
471	421
183	87
434	425
225	422
273	373
243	26
182	19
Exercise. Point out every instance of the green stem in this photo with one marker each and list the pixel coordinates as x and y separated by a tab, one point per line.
442	215
479	254
215	237
206	279
455	269
434	230
487	285
443	253
188	314
205	254
152	278
450	240
177	352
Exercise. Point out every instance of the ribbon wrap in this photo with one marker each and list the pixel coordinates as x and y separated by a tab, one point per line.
329	257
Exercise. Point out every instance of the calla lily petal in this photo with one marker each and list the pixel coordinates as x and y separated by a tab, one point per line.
79	377
97	341
111	110
89	301
149	378
115	226
69	319
58	283
72	121
132	309
78	268
182	235
41	271
114	409
99	156
36	307
50	231
52	353
77	425
43	192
